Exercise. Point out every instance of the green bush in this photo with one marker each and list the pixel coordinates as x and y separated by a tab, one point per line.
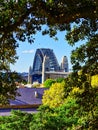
48	83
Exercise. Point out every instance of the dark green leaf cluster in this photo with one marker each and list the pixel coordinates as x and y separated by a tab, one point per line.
26	17
8	86
85	57
17	120
45	119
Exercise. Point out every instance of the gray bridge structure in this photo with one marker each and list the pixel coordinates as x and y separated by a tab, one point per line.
47	75
45	66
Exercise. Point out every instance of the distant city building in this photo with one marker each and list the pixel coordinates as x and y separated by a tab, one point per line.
45	61
64	64
24	76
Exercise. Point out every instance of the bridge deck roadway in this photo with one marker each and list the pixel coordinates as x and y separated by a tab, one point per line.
52	72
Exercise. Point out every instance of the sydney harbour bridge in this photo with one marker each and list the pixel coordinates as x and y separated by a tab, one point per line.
45	65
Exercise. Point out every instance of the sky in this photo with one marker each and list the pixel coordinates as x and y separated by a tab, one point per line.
26	51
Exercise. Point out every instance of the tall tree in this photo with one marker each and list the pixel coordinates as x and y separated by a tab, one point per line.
26	17
85	57
20	19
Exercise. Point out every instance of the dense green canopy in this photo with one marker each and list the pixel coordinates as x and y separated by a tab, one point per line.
21	19
24	18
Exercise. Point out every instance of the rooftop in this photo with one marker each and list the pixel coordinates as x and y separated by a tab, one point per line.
28	96
29	100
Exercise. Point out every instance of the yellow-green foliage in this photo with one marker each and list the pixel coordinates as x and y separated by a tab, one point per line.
94	81
76	90
94	78
54	97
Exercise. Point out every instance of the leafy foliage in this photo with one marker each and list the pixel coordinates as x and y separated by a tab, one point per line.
94	81
17	120
85	57
54	97
59	80
77	98
8	86
25	18
46	119
56	118
79	109
21	19
86	95
48	83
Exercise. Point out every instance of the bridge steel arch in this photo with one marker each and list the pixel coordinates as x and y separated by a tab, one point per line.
51	63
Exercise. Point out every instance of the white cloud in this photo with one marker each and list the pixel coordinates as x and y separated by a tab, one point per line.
28	51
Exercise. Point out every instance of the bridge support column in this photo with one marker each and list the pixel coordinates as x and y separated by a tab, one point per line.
30	79
43	69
